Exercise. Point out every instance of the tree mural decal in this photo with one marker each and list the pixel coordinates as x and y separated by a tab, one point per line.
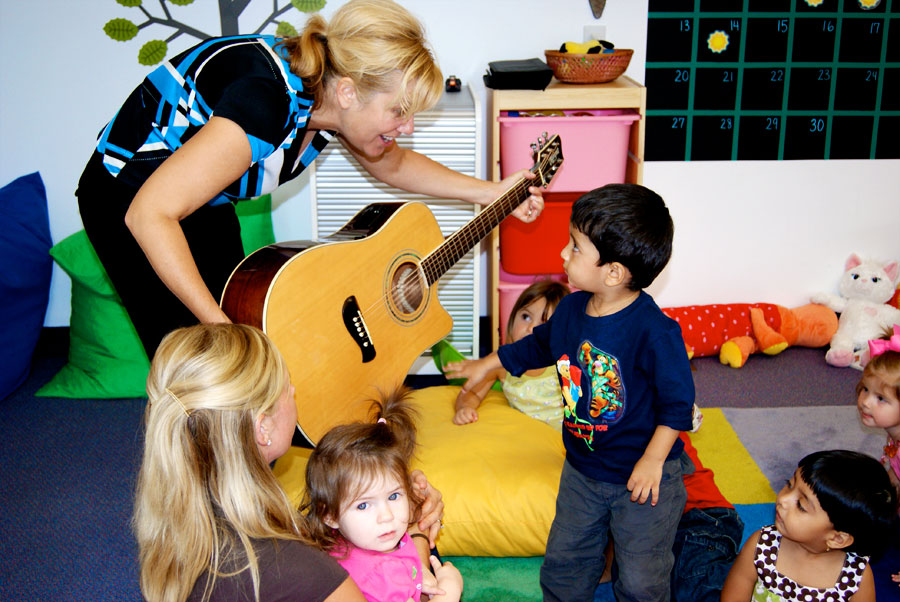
154	51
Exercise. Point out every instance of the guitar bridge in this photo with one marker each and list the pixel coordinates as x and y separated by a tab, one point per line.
356	326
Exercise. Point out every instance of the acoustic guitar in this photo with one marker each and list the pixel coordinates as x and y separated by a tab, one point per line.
351	312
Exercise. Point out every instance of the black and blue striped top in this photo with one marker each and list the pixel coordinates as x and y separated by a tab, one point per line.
243	78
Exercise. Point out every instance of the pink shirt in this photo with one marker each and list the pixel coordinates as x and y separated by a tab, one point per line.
385	576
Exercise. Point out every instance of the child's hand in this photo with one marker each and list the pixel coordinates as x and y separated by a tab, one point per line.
895	576
430	584
463	369
449	579
644	481
465	416
474	371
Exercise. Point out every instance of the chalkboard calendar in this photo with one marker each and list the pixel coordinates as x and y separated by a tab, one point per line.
772	79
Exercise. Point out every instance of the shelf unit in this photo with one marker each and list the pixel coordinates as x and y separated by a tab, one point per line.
622	93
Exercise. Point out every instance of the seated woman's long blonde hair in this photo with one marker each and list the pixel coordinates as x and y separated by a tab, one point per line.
368	41
204	489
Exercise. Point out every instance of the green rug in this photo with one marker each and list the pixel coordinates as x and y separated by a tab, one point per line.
507	579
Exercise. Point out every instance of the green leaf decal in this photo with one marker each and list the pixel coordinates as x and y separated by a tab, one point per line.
286	30
152	52
129	3
181	2
121	30
308	6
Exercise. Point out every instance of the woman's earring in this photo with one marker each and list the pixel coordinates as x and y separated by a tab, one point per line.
268	442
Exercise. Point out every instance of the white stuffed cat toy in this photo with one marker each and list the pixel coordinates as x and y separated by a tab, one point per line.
865	287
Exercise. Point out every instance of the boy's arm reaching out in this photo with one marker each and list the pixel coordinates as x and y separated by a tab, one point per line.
474	371
647	473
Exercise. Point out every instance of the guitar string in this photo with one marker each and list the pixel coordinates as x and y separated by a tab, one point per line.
492	210
453	241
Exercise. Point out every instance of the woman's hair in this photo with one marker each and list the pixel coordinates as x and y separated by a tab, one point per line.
857	494
352	457
550	290
204	489
369	41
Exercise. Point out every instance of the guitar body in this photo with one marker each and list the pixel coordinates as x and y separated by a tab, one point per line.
350	313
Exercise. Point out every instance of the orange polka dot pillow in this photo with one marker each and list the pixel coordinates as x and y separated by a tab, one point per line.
706	328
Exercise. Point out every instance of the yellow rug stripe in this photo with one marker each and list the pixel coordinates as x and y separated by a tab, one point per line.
739	478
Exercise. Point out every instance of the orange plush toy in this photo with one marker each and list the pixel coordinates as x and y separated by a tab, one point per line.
736	330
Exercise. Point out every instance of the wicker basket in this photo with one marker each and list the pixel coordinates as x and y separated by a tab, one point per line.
588	68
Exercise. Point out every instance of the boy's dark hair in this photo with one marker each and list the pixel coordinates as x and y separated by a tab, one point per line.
857	494
629	224
551	290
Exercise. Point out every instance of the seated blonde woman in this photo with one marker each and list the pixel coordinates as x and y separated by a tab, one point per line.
212	522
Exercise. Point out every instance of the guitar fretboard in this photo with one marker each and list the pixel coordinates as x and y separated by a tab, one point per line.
463	240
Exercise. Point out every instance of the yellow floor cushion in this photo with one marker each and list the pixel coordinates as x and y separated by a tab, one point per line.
498	476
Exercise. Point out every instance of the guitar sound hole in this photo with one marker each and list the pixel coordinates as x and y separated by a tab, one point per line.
407	291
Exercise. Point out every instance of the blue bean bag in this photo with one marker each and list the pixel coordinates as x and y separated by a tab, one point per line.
25	268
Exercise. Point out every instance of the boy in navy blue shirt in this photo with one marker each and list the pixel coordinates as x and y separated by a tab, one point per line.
627	391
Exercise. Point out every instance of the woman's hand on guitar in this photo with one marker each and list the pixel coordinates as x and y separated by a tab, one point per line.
531	207
432	508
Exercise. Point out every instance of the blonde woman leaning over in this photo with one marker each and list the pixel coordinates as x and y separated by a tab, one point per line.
212	522
234	118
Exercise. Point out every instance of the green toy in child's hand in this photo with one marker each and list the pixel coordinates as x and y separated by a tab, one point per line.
443	353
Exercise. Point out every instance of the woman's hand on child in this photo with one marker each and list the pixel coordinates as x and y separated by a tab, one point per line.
432	508
465	416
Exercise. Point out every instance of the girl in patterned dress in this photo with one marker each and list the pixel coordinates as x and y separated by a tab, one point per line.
878	400
832	513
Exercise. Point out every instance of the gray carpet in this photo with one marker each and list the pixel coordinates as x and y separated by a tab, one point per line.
777	438
798	377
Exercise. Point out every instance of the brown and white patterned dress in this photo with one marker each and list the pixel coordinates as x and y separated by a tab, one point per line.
772	586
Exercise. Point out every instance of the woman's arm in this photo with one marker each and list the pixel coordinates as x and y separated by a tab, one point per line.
742	576
213	158
467	402
346	592
414	172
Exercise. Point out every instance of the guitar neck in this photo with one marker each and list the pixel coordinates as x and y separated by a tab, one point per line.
436	264
463	240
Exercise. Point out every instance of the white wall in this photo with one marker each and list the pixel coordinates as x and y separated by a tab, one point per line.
745	231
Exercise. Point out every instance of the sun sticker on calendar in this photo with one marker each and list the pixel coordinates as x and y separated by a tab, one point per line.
717	41
814	2
869	4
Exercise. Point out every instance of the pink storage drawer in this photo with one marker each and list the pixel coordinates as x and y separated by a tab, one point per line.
594	144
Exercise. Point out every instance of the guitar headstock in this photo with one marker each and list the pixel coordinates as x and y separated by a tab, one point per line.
547	158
